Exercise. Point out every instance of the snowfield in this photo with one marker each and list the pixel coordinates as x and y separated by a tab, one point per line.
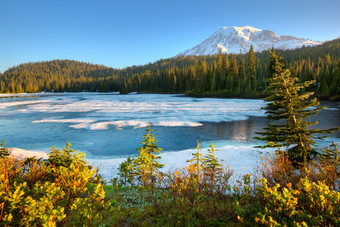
239	39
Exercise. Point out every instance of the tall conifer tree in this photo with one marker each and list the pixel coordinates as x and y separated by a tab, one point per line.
226	63
233	66
251	68
276	64
290	108
241	69
240	83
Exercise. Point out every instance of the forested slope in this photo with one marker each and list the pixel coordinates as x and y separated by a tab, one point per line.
58	76
242	75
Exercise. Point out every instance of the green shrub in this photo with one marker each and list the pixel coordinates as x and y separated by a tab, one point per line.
310	204
196	195
65	157
50	195
3	150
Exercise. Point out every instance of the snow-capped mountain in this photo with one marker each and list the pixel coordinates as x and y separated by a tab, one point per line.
239	39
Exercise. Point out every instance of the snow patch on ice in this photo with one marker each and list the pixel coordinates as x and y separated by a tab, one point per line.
64	121
21	154
242	158
92	125
80	123
135	111
178	123
4	105
132	123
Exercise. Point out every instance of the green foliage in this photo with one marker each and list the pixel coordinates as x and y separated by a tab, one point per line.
196	162
52	194
3	150
200	194
233	65
251	69
66	156
32	198
196	195
210	161
310	204
290	107
144	169
58	76
276	64
126	171
146	165
331	155
281	170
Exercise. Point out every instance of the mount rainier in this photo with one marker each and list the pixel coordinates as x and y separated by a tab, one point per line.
239	39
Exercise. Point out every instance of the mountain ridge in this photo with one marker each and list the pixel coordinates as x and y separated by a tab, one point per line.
239	39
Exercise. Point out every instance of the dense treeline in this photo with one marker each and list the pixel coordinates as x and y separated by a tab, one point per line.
58	76
241	75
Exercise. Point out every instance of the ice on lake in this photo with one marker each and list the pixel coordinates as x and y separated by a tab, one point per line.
108	127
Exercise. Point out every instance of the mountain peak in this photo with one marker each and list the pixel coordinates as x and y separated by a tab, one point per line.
239	39
252	29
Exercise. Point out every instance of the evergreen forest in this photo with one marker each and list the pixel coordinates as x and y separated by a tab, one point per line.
233	75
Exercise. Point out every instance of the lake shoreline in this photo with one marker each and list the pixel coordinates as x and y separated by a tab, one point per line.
332	98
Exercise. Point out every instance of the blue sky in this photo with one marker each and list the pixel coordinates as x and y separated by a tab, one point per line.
125	32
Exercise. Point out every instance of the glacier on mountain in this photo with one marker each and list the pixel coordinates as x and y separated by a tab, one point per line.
239	39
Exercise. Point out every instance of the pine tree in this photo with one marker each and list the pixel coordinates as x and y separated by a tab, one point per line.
65	157
221	70
3	150
331	156
210	161
225	63
233	65
242	69
239	84
213	88
201	74
146	164
251	68
196	163
230	82
126	171
219	64
276	64
211	165
290	109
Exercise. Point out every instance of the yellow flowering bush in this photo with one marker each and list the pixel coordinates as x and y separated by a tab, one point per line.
49	195
197	194
308	204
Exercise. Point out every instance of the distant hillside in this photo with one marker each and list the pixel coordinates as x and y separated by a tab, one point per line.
217	75
58	76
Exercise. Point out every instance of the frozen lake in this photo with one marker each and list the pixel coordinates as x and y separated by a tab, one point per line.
108	127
